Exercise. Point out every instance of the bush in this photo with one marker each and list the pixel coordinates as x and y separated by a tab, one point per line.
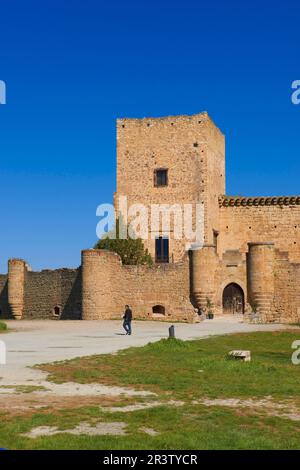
131	250
3	326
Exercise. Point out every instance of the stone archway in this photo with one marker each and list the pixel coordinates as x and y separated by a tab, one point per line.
233	299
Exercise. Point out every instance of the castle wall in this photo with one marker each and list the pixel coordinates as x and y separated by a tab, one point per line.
4	307
261	276
268	278
191	148
48	289
260	220
287	289
16	277
232	268
204	269
108	286
215	179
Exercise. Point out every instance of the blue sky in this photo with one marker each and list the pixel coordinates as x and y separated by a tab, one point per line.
73	67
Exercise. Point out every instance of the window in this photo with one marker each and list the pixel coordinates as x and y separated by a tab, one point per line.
162	250
159	309
161	177
57	311
215	238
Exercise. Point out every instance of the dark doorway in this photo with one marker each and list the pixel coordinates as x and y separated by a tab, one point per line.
233	299
159	309
161	250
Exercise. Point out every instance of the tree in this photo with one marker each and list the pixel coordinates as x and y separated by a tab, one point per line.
131	250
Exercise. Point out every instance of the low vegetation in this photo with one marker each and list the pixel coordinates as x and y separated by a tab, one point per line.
193	369
130	250
203	400
3	326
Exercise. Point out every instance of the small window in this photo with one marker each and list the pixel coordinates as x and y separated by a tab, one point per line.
215	238
57	311
161	177
159	310
162	250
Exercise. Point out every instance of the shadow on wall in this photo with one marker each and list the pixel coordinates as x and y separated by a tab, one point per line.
192	295
73	304
4	307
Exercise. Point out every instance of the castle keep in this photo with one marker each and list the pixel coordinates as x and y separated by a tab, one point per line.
249	261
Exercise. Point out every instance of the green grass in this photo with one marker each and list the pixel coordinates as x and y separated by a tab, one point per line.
3	326
191	427
171	369
172	366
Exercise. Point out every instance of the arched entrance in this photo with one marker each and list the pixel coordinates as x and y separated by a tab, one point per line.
233	299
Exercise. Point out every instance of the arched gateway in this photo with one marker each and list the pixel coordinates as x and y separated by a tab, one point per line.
233	299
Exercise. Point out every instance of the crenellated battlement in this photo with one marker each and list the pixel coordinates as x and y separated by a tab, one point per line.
230	201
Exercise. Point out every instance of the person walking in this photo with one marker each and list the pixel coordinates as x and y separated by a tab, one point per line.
127	317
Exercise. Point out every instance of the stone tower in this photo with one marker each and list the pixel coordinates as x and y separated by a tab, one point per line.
184	153
16	287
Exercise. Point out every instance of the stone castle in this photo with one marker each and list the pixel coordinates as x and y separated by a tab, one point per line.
250	260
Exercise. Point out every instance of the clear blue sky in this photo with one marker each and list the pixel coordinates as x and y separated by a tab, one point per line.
72	66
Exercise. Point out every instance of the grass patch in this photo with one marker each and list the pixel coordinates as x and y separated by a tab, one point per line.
3	326
173	367
190	427
177	370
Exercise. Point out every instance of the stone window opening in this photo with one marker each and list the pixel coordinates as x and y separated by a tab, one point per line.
57	311
160	177
162	249
215	239
158	310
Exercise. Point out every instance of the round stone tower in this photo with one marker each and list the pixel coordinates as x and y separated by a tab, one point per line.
260	271
99	270
204	265
16	287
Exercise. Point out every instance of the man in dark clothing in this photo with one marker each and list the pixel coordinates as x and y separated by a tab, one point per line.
127	317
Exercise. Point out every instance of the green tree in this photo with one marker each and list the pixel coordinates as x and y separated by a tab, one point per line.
131	250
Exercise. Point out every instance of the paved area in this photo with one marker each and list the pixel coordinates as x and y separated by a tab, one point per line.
35	342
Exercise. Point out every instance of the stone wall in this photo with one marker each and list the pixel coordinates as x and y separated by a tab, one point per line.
246	220
4	307
232	268
48	289
102	286
287	289
108	286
